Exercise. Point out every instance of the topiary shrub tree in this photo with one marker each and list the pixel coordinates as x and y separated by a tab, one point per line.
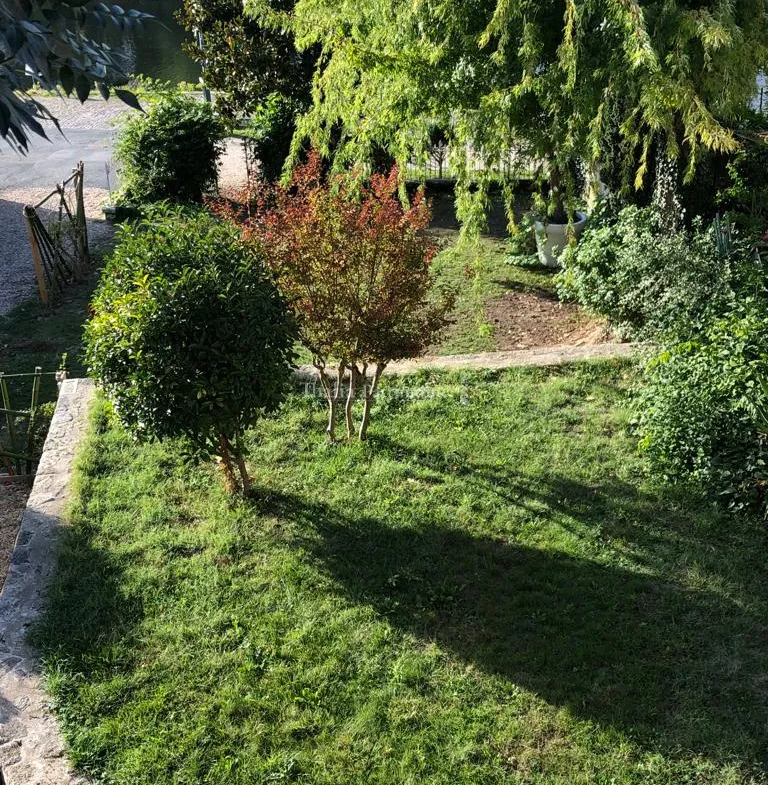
354	265
171	152
190	337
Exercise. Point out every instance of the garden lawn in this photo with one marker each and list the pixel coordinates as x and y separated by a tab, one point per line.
483	275
33	334
488	591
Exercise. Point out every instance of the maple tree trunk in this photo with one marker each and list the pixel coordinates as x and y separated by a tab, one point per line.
353	374
332	395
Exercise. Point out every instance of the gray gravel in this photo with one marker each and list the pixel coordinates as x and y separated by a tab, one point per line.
17	274
89	135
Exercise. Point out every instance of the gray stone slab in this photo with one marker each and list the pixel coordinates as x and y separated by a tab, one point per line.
31	747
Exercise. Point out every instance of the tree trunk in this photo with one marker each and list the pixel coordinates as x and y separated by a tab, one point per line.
353	374
226	465
370	394
246	480
331	395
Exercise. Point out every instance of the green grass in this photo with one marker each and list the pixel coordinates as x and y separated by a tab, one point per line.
488	591
479	270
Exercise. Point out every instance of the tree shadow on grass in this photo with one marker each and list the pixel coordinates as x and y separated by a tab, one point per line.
87	609
679	670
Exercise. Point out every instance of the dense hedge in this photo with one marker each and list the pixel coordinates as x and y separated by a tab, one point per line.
645	279
171	152
702	409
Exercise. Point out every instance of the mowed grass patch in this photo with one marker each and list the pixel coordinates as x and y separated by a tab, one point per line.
488	591
35	335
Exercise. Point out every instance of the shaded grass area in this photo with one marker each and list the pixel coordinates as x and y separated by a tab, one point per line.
35	335
489	591
478	271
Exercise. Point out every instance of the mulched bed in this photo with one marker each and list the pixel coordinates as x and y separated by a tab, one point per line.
528	320
13	499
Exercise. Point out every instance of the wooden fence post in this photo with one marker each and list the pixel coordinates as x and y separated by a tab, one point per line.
82	226
37	257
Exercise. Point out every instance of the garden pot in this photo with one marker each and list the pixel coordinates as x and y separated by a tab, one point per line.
110	212
551	239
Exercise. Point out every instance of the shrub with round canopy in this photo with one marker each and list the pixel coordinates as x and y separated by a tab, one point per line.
189	336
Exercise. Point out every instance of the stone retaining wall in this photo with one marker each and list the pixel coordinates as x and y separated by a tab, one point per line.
31	748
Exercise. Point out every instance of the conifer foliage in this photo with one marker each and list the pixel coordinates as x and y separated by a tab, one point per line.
551	79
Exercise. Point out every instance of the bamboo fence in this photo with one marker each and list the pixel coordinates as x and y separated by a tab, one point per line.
59	250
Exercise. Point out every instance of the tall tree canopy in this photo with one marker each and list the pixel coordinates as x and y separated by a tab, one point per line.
246	60
45	40
556	75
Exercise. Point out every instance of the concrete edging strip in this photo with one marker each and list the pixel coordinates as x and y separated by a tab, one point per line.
31	747
544	356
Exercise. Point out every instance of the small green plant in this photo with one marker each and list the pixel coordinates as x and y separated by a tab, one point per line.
171	152
190	337
270	132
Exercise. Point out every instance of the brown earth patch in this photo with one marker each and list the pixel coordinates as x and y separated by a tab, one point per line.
13	500
527	320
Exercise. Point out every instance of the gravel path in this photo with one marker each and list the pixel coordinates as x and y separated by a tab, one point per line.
17	274
89	135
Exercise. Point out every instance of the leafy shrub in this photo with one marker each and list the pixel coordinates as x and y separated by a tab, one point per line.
644	279
734	182
703	409
270	131
190	337
171	152
354	264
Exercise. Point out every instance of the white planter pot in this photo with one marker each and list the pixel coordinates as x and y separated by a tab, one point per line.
551	239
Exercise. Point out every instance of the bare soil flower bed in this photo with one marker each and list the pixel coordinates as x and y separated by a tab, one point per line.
528	320
13	499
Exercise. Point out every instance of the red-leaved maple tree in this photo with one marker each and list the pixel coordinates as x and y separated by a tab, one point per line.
353	264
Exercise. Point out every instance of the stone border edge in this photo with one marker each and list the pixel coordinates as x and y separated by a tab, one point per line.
31	747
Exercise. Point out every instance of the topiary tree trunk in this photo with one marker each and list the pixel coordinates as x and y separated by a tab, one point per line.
227	467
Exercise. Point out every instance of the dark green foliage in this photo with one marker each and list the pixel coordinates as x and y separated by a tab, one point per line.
189	335
644	279
171	152
244	59
735	183
702	408
45	40
270	131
